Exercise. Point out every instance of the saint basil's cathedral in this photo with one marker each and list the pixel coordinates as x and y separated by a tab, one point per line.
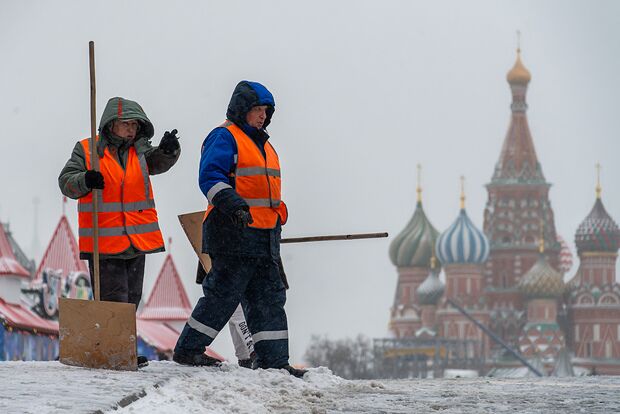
510	276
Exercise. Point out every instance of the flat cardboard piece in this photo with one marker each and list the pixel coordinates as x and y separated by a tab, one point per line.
98	334
192	225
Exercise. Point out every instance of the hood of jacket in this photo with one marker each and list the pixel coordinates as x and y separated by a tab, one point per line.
246	95
124	109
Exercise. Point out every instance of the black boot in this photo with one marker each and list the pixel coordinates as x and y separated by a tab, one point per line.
299	373
196	360
142	361
248	363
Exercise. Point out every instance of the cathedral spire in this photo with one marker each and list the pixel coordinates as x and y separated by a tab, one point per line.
462	192
598	180
419	187
518	163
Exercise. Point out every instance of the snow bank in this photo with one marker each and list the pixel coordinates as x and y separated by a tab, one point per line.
165	387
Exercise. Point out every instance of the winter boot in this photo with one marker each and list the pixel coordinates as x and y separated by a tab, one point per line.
142	361
248	363
299	373
196	360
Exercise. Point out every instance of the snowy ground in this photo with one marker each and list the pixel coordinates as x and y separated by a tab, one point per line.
164	387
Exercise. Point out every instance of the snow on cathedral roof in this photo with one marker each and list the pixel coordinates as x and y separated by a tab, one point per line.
168	300
62	251
9	266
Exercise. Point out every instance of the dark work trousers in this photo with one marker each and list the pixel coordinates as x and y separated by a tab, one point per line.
120	280
256	283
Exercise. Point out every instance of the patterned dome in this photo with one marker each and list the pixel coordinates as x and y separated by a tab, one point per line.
542	281
519	73
566	257
414	245
598	232
431	290
462	243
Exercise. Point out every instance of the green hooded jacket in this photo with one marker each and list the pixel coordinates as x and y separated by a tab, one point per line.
72	177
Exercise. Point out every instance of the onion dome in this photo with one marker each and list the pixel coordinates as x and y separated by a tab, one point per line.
519	73
566	257
430	291
542	280
598	232
414	246
462	242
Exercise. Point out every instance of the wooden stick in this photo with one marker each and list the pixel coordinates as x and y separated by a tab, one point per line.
335	237
94	160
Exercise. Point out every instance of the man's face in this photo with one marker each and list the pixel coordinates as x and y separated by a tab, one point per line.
125	129
256	116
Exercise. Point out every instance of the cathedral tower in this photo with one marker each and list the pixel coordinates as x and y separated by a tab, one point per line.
594	294
518	202
411	252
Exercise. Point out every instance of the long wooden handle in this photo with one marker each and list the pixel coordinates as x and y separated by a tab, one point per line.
94	160
334	237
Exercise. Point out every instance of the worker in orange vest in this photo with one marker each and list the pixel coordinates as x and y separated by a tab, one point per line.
127	219
240	177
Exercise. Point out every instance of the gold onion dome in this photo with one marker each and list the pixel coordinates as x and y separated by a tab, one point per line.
519	73
542	281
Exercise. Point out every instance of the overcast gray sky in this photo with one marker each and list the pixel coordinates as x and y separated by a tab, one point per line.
364	91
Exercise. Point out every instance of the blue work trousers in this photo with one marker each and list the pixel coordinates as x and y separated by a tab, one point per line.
256	283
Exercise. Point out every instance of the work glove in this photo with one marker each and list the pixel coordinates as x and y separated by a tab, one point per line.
242	218
169	142
94	179
200	273
282	273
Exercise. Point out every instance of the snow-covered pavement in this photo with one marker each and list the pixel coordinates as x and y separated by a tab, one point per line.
165	387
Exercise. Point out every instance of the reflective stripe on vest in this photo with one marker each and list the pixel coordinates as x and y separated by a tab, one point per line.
257	180
126	209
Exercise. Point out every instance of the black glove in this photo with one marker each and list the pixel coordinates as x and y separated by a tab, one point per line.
169	142
282	274
242	218
200	273
94	179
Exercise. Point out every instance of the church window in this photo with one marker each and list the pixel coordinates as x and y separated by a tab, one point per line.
577	333
588	349
596	332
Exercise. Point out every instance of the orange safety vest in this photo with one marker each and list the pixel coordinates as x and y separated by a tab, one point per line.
126	209
257	180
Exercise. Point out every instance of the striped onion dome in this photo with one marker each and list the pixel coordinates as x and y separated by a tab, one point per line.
430	291
542	281
462	243
413	247
598	232
566	257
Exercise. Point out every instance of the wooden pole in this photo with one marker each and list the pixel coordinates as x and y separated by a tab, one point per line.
94	160
335	237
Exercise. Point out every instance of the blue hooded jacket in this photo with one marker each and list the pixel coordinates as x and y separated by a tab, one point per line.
217	161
